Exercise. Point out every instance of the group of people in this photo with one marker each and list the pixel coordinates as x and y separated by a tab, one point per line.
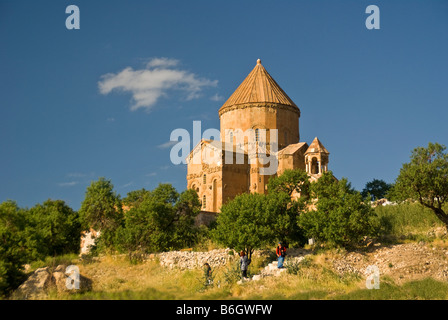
245	261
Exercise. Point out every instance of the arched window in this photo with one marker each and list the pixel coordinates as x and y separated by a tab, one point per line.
204	201
314	166
257	135
204	179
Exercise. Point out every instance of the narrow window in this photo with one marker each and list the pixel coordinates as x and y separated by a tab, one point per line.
204	201
204	179
257	135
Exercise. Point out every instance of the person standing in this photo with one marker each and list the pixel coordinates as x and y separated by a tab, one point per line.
207	274
244	263
281	254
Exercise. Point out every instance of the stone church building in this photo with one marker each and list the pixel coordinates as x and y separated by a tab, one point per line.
257	106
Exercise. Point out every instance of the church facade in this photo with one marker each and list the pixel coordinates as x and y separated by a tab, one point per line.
259	139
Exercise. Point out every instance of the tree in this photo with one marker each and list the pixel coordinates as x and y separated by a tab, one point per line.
425	179
340	217
281	213
251	221
101	209
163	219
290	182
134	198
376	188
17	246
288	196
242	223
58	226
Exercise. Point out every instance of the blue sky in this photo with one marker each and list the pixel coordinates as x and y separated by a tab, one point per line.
72	106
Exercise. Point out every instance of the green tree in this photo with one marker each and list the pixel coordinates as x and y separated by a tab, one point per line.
243	224
290	182
425	179
57	225
16	246
341	217
284	205
377	189
162	220
101	210
134	198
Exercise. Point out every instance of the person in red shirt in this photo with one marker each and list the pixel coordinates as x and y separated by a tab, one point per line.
281	254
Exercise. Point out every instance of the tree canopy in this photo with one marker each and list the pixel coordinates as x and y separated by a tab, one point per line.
377	189
425	179
340	217
161	219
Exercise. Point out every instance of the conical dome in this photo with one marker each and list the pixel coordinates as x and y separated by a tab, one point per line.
259	87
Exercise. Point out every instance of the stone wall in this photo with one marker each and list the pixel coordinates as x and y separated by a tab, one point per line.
192	259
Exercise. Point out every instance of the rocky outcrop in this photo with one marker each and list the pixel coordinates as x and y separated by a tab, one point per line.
45	280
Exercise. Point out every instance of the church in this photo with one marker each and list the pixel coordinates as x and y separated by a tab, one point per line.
259	126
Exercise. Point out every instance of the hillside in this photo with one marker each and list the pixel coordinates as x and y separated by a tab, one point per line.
409	270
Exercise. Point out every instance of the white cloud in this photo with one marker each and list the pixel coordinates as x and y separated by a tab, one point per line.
127	184
167	145
68	184
216	97
148	85
162	62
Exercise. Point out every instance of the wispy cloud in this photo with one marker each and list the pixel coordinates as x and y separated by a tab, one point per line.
128	184
68	184
167	145
148	85
216	97
152	174
76	175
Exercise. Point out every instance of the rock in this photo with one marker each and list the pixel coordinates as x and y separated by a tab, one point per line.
35	286
43	280
256	277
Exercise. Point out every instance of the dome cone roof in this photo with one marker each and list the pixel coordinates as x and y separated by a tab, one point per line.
259	87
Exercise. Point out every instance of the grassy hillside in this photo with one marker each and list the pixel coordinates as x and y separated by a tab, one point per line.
413	260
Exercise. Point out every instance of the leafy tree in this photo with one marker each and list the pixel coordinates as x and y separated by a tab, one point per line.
290	182
340	217
425	179
101	210
134	198
251	221
377	189
15	246
243	223
57	225
162	220
284	205
282	213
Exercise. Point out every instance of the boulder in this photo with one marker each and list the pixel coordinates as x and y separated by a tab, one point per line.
35	286
43	280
